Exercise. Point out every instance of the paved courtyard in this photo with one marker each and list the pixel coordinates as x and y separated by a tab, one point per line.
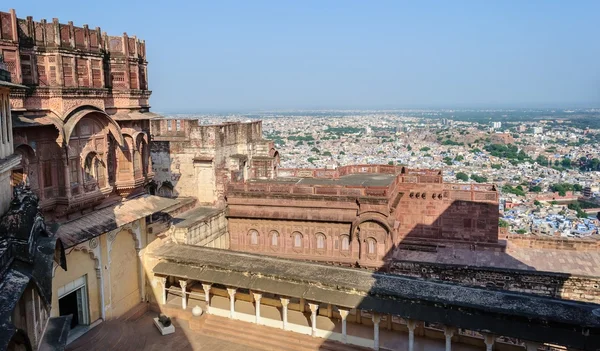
141	334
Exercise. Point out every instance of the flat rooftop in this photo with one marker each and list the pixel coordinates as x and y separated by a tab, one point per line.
358	179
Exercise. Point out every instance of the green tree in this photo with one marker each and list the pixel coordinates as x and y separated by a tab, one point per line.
391	163
425	148
408	147
521	231
537	203
536	189
496	166
462	176
502	223
478	178
459	158
542	160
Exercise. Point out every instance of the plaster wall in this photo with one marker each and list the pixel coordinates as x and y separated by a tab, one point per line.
124	278
79	263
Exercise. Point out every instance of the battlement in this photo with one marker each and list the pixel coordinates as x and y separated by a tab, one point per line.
367	181
44	34
53	54
183	129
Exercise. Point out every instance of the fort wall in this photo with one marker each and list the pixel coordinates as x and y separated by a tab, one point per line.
549	284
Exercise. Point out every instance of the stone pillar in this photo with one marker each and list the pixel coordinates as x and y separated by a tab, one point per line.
163	281
489	339
376	319
313	317
284	303
344	315
257	297
449	333
411	324
183	284
206	288
231	292
67	175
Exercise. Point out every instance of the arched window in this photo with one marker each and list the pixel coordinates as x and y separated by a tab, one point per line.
297	239
320	241
371	246
100	173
345	242
274	238
90	171
253	237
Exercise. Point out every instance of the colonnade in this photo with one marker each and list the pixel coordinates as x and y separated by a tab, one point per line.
411	324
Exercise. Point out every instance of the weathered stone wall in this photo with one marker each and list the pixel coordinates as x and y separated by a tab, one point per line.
556	285
200	160
210	232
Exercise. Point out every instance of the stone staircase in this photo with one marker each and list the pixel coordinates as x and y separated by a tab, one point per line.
267	338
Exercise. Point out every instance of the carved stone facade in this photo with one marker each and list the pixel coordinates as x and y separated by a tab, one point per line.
81	126
359	214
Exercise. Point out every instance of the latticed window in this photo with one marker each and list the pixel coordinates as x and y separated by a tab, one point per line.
178	125
169	125
74	168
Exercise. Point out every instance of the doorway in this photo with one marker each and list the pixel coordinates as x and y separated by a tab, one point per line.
73	300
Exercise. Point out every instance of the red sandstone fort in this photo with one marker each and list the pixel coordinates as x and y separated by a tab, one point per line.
169	212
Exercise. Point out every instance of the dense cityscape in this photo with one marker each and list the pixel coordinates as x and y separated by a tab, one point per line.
545	163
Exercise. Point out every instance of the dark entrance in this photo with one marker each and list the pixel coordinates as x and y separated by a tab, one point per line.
68	305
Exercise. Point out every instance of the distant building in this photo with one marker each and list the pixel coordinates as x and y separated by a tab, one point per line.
538	130
496	125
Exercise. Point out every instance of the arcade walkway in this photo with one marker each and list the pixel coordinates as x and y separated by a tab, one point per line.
271	337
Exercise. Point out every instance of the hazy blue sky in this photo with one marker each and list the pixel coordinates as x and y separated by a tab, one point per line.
228	55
